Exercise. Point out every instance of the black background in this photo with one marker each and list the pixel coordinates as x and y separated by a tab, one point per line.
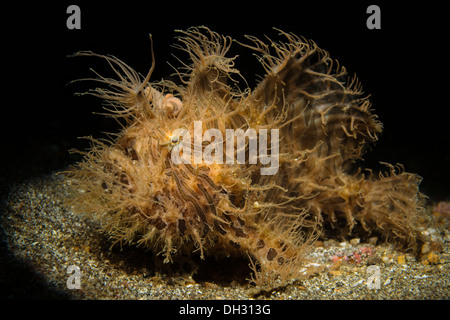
403	66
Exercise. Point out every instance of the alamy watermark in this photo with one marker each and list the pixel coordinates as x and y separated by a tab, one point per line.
258	149
74	280
73	21
374	20
374	280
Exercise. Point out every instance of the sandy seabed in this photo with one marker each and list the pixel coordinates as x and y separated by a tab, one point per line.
42	238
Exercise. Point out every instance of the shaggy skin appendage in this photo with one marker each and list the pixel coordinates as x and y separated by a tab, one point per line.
133	187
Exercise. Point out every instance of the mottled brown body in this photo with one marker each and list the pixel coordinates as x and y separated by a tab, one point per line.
133	186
